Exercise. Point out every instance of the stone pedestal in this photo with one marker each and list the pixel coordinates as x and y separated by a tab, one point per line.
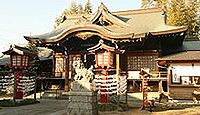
82	99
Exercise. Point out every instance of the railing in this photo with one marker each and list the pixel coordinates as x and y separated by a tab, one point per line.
158	75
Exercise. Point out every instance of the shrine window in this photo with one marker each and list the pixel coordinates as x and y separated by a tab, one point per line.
60	65
136	62
59	69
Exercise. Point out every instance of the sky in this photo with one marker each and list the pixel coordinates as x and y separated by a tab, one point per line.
34	17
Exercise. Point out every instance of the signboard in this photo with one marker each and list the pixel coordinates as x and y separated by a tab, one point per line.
133	75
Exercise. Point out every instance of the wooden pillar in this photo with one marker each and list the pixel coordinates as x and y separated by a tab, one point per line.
117	65
66	87
144	90
168	79
160	84
117	73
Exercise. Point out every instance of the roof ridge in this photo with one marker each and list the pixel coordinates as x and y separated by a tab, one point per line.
138	11
122	12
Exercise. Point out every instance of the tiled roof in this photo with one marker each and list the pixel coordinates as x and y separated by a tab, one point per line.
183	56
190	46
45	53
129	24
4	60
17	49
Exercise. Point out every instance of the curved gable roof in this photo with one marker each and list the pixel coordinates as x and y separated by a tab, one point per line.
128	25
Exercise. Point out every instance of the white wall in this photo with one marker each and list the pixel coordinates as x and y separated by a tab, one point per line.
186	69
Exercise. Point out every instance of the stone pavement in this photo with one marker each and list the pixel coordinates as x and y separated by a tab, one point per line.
45	107
58	107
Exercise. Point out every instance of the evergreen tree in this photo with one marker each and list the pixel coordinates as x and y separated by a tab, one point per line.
148	3
177	13
153	3
192	19
197	29
80	9
73	10
74	7
144	3
61	18
88	7
58	21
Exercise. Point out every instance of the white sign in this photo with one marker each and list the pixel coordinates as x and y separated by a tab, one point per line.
133	75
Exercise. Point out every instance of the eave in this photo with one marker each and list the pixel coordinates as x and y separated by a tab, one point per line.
95	29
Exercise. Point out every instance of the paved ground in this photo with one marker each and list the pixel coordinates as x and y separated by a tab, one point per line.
45	107
58	107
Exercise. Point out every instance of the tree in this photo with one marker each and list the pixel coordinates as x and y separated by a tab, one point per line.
144	3
181	14
176	13
74	7
73	10
198	23
192	19
58	21
80	9
153	3
61	18
88	7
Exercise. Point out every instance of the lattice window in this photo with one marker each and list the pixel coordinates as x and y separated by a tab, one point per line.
59	67
137	62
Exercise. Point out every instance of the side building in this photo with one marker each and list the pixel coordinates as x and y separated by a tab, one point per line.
183	70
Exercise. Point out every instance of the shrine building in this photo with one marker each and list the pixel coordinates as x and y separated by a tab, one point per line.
112	42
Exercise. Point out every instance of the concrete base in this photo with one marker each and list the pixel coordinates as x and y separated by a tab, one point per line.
82	100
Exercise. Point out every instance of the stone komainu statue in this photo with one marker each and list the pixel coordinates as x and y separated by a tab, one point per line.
82	73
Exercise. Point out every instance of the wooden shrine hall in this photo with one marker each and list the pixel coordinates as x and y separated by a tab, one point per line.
132	39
